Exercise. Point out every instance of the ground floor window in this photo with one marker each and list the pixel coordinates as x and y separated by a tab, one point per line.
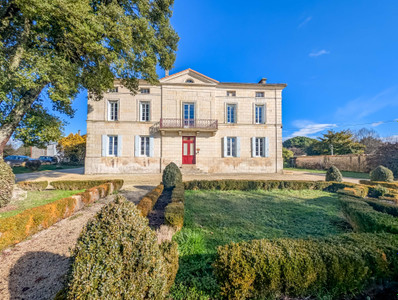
112	145
231	146
260	147
144	146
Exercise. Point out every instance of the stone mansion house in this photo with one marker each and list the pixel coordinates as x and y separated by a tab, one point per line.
190	119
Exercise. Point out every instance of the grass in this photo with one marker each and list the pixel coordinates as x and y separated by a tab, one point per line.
34	199
22	170
214	218
357	175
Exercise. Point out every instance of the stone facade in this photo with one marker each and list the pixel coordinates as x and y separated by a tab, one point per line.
172	103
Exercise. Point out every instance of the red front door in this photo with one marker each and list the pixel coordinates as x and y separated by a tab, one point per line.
188	150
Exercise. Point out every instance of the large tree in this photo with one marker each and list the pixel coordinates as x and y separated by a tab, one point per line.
55	48
370	138
341	142
299	144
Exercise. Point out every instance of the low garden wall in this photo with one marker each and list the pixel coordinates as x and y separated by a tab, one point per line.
349	162
16	228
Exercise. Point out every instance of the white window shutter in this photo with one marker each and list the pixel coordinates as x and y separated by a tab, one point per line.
237	146
137	145
266	143
151	146
253	147
119	145
225	146
265	114
104	144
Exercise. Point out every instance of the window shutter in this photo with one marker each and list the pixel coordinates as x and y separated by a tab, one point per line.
119	145
104	144
225	146
237	146
137	146
265	113
253	147
151	146
266	143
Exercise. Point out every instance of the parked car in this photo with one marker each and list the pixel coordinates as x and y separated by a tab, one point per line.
48	160
16	160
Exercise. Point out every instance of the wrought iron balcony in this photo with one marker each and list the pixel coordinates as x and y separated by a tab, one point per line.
166	124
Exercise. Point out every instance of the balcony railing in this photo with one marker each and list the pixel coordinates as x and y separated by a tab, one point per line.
184	124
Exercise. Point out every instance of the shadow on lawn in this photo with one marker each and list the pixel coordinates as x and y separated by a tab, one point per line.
38	275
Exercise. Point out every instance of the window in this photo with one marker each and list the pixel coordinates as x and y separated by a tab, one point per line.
144	146
113	110
231	146
259	147
189	81
112	145
113	90
259	117
144	112
231	113
259	94
231	93
145	91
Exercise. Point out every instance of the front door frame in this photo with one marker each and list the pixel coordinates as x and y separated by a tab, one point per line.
189	159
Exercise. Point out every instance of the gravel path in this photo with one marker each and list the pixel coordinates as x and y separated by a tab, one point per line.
36	268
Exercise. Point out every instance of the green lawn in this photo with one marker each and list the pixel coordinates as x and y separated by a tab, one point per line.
214	218
21	170
33	199
357	175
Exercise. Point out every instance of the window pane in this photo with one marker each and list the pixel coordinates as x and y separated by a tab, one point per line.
147	146
110	143
115	145
191	149
185	149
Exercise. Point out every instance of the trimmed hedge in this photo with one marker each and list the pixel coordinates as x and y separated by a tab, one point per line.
16	228
295	267
84	184
363	218
33	185
382	173
169	252
171	176
117	257
390	185
391	209
149	200
7	180
174	212
359	191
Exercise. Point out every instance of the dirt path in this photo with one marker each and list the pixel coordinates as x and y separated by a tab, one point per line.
36	268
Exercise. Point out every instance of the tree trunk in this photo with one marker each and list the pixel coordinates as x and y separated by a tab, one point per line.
16	116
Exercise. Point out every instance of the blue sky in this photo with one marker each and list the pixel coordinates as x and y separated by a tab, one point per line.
339	58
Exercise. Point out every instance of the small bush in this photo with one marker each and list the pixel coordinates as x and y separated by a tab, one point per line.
7	180
378	191
33	185
341	265
171	176
117	257
33	165
147	202
84	184
382	174
334	174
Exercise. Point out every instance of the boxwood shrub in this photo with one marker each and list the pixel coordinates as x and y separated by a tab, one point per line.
147	202
174	211
171	176
336	265
117	257
7	180
84	184
391	209
33	185
382	173
334	174
390	185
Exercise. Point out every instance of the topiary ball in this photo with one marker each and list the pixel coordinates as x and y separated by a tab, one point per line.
381	173
117	257
334	174
171	176
7	181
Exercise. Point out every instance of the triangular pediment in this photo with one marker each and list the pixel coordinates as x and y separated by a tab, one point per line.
188	76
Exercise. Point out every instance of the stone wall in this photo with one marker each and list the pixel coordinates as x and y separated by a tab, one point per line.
350	162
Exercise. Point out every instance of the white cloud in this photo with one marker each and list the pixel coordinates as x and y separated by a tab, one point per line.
305	22
375	124
318	53
306	128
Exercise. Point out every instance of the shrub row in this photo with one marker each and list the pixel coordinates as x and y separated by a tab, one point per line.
16	228
359	191
84	184
33	185
390	185
363	218
294	267
391	209
174	212
149	200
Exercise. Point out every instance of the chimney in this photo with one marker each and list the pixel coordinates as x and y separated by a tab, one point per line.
263	81
166	73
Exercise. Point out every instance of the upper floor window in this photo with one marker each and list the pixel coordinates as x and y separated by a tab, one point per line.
259	114
231	113
145	91
113	110
144	111
113	90
189	81
259	94
231	93
112	145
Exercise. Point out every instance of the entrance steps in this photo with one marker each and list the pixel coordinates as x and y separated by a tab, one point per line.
191	169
